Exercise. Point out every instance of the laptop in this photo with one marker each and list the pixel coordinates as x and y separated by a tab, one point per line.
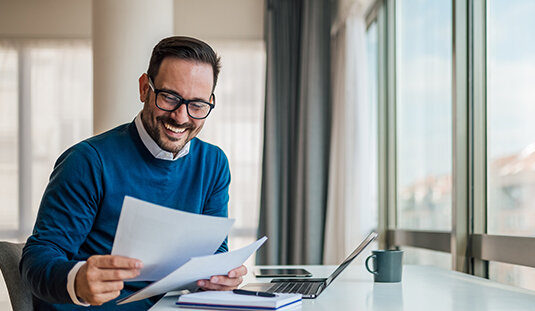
308	287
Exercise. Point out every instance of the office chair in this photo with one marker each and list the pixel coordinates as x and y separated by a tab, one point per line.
19	294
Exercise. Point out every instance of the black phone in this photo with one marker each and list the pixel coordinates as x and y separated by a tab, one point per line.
281	272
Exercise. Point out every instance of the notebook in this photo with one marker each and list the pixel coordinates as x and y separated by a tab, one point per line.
227	300
309	288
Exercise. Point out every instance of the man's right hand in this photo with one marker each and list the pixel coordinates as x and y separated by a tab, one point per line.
100	279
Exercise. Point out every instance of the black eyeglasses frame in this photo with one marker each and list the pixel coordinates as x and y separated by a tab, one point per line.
181	100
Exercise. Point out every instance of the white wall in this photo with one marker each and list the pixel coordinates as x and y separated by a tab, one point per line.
45	18
220	19
206	19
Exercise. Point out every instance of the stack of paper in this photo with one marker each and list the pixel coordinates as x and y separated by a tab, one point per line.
176	248
164	238
227	300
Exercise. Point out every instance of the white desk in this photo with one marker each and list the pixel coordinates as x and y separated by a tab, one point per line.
422	288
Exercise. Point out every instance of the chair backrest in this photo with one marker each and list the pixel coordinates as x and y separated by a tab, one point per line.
19	294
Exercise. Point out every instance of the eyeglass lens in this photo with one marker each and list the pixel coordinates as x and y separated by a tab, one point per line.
169	102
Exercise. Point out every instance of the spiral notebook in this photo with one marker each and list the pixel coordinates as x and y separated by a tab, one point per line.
227	300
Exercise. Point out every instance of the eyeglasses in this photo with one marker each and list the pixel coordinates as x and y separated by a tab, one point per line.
170	101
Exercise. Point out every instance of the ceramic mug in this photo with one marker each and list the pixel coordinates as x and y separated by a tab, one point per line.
386	265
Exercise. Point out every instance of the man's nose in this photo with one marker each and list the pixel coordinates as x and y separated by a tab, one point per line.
181	114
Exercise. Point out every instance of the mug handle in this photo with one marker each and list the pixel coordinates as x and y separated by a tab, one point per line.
366	264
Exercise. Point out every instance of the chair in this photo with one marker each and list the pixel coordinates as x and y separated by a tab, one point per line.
19	294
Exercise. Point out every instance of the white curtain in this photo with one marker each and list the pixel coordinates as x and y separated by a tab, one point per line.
351	203
236	125
54	78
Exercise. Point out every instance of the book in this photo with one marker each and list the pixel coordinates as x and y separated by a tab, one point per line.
227	300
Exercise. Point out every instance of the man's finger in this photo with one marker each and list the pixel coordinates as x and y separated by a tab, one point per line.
112	261
225	281
240	271
207	285
116	274
110	286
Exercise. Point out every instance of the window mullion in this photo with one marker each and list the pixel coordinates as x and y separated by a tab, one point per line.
478	102
460	127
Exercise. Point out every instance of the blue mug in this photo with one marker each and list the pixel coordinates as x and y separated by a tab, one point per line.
386	265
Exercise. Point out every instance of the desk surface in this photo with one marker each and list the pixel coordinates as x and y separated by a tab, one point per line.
422	288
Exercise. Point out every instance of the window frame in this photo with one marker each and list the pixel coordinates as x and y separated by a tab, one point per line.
468	242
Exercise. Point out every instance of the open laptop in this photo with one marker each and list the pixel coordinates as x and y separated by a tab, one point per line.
309	288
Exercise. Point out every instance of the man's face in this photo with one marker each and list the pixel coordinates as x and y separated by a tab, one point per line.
189	79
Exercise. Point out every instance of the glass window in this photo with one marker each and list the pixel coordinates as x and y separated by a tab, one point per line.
420	256
236	125
62	94
9	216
58	83
510	111
511	129
424	114
512	274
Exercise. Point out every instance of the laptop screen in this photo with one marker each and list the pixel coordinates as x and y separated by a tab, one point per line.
372	236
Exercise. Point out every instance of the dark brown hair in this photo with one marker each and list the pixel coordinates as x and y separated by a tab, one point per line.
184	48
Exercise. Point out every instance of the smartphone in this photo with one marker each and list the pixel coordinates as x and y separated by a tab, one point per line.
281	272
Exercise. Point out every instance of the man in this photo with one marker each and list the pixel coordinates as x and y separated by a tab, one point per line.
155	158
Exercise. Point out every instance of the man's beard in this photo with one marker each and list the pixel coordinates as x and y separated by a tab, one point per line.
157	136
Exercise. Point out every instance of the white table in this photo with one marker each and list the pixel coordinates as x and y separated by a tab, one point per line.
422	288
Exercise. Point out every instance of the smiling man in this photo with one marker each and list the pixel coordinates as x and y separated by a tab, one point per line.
156	158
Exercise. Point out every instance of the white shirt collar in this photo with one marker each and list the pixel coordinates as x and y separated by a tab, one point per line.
153	147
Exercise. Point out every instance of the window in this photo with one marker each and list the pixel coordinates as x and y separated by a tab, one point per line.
9	217
46	106
511	129
236	125
510	110
464	164
423	110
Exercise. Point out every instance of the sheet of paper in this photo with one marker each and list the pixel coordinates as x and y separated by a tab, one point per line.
163	238
196	269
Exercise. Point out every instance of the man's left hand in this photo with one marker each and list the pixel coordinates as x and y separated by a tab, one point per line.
224	282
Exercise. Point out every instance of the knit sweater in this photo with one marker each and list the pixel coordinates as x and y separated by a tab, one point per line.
80	208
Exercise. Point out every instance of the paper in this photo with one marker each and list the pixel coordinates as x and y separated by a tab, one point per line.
197	268
163	238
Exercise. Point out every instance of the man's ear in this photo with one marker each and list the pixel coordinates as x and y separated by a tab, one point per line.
212	99
143	87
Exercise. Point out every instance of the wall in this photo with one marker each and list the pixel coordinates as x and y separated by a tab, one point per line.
205	19
220	20
49	18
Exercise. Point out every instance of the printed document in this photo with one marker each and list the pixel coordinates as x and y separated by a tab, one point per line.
165	239
197	268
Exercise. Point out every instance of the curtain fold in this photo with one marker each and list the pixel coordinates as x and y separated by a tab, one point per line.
296	132
352	172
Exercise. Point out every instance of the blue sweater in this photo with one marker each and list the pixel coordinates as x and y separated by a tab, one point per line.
81	205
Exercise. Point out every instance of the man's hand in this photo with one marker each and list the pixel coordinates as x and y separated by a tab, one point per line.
100	279
224	282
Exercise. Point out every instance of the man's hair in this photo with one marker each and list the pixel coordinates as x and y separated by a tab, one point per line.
184	48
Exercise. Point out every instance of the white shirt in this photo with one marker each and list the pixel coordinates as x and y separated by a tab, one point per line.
158	153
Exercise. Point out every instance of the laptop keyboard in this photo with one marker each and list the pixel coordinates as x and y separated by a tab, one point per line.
291	287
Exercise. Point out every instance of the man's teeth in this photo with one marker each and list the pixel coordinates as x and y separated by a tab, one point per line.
173	128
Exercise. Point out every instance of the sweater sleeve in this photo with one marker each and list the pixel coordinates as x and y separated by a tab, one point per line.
217	202
66	214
